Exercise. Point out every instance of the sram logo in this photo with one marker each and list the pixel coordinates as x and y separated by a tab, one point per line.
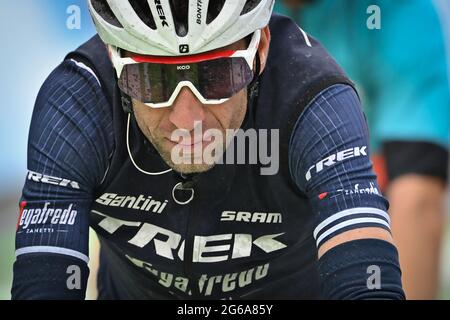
38	177
335	158
169	244
243	216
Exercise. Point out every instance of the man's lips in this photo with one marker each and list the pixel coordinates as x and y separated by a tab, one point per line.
188	142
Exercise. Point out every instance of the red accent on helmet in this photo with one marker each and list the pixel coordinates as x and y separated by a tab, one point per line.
183	59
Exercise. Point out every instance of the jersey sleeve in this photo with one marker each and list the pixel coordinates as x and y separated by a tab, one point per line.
330	162
70	142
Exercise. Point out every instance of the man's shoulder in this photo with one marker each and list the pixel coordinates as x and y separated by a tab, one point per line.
71	128
71	102
70	80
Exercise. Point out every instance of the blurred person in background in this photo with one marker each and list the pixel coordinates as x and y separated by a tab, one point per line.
400	64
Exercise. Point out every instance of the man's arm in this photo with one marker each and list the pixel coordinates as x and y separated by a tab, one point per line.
330	162
69	145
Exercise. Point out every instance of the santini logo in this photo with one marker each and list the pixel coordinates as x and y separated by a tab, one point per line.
140	202
335	158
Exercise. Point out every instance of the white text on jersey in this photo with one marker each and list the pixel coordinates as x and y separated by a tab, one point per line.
140	202
335	158
38	177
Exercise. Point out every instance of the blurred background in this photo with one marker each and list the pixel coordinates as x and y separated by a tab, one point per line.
36	35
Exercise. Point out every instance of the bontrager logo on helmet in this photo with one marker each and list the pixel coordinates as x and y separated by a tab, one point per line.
160	27
199	11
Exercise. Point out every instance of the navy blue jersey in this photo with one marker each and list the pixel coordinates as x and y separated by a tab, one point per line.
244	235
71	144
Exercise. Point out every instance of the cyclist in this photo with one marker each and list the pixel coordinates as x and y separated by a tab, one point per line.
179	75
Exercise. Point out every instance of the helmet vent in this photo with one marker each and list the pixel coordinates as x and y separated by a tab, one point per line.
180	13
103	9
250	5
214	8
144	13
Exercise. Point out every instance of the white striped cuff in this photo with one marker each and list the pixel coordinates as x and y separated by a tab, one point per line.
49	249
323	227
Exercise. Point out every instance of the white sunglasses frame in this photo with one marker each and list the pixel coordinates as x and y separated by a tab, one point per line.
249	55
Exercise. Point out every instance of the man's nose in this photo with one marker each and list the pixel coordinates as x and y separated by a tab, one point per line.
186	110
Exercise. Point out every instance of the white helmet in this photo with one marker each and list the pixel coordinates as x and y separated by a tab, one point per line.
177	27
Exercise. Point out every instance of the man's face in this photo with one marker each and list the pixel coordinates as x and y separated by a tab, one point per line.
186	114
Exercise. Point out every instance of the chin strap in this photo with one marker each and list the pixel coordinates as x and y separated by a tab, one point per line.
127	104
253	87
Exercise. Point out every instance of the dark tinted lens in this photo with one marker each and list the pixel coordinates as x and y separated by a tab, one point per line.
145	82
222	78
214	79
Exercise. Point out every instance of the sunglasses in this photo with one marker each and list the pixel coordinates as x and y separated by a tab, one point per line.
212	77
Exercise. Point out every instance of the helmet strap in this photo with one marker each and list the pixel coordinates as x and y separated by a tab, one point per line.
127	104
253	87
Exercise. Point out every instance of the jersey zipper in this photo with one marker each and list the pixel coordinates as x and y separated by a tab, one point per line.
189	250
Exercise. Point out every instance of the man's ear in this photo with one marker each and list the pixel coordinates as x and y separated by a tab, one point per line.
263	49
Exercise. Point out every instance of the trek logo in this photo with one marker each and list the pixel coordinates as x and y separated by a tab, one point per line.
166	242
242	216
199	11
185	67
45	215
140	202
335	158
37	177
162	15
